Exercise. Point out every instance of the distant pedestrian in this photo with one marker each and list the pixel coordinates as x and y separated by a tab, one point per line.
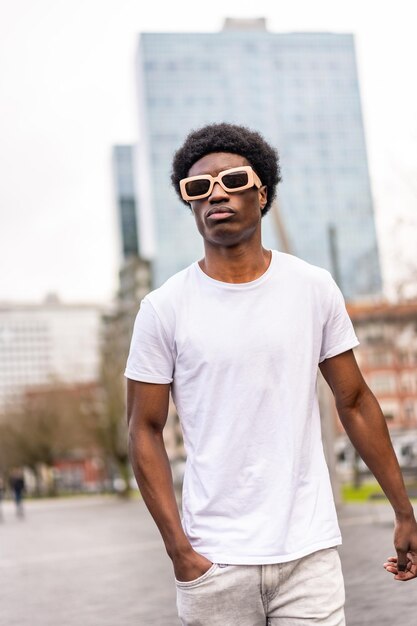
1	497
17	485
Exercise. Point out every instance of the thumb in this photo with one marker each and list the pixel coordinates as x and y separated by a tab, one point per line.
401	562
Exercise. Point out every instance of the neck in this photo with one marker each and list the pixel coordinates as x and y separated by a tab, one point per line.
235	264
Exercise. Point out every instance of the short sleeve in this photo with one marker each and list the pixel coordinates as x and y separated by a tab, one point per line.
151	358
338	333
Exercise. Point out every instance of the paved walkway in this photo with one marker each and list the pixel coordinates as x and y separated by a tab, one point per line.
99	562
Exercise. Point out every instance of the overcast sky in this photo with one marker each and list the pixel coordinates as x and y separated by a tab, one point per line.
67	94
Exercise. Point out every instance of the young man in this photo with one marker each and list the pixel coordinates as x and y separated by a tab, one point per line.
238	338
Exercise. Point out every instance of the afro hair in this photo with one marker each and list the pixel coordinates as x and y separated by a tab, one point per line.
228	138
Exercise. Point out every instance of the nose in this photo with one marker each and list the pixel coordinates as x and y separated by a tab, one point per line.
218	194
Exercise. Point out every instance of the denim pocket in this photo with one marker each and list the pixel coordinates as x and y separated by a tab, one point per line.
197	581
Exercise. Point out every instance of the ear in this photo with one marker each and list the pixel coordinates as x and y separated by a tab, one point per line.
263	196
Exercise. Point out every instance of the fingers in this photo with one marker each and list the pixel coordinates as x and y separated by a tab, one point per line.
391	566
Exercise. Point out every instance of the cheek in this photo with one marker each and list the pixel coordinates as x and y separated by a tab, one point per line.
195	208
253	207
198	217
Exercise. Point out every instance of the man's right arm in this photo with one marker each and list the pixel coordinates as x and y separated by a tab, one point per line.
147	411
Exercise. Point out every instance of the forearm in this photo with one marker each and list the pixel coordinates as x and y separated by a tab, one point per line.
153	474
366	427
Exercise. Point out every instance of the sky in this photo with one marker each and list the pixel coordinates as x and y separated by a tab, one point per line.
67	95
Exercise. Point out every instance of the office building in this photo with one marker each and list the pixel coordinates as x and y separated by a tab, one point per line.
47	344
124	186
134	271
301	91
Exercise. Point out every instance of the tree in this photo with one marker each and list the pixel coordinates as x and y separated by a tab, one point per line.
111	427
46	425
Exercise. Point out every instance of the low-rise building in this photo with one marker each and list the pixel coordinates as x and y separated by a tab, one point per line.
45	343
387	357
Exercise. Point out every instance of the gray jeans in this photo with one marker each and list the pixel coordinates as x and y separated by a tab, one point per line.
309	590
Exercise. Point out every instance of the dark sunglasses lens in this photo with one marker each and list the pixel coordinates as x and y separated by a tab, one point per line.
235	180
197	187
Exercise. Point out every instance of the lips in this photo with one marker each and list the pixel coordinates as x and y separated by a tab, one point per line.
219	212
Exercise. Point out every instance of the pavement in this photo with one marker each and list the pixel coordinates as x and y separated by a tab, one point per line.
99	561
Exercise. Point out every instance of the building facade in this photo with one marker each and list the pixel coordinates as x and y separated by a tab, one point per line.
387	357
134	271
44	344
124	186
301	91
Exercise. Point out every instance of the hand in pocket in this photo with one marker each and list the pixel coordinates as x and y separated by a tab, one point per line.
190	566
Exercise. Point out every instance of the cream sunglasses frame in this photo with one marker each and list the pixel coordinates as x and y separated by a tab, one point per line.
253	179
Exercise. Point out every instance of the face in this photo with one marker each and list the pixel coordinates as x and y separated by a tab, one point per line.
226	218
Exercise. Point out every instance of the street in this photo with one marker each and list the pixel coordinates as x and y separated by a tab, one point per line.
99	561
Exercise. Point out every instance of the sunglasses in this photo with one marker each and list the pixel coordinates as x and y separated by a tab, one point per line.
235	179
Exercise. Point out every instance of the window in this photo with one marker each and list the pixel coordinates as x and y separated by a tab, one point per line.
407	381
390	409
380	358
383	383
409	411
403	357
374	334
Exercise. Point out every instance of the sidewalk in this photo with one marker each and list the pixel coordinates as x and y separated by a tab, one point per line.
373	598
100	562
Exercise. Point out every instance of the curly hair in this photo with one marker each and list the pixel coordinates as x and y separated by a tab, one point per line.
229	138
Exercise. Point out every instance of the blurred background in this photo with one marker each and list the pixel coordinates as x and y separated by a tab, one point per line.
95	97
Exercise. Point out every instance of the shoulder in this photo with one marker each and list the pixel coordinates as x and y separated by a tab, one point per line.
300	270
311	283
166	298
158	310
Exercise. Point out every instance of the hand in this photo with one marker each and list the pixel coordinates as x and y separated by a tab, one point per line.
190	566
404	565
410	571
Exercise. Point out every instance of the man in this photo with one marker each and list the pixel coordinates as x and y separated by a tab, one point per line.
238	338
17	485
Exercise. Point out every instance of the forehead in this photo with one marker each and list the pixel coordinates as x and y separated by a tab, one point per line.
216	162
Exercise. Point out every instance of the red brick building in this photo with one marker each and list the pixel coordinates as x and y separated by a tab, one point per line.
387	357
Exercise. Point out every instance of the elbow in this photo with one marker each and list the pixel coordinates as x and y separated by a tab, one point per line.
141	432
351	403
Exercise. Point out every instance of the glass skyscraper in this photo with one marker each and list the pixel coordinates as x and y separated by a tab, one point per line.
124	182
301	91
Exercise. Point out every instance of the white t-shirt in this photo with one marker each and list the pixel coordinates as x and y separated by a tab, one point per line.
242	359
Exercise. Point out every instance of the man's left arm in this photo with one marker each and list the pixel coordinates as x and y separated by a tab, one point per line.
366	427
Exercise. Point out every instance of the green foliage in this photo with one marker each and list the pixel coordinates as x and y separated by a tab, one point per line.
364	492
